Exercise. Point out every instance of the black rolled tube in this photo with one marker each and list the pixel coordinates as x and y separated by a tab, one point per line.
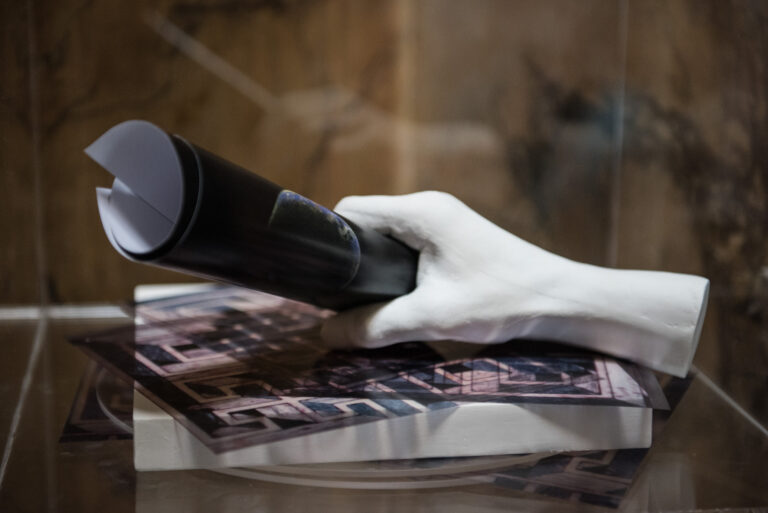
235	227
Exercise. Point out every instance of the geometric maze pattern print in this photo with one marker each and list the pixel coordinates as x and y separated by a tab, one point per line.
240	368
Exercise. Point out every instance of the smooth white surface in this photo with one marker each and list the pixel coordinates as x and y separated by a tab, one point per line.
143	157
479	283
150	292
161	443
136	226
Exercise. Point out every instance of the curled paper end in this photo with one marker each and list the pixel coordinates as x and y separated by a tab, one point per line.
144	205
102	200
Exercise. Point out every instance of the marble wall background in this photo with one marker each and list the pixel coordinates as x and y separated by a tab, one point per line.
628	133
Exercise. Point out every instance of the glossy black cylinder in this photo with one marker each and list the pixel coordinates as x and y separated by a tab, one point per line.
238	228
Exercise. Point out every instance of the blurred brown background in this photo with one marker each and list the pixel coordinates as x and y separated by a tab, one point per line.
622	133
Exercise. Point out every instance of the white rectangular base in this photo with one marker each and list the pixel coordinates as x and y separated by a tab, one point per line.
472	429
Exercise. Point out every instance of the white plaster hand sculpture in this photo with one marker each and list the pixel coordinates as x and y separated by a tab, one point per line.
479	283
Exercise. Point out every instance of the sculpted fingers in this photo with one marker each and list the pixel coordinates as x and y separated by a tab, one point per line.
379	325
415	219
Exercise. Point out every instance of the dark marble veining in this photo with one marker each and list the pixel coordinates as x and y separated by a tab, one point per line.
617	133
697	112
630	133
18	249
103	63
565	164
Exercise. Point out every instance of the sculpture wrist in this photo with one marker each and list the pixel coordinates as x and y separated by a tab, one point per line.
652	318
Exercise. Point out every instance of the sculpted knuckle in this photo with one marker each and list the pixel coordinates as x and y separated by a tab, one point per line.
440	208
440	197
347	203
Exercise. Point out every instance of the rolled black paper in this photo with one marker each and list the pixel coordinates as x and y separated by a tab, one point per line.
178	206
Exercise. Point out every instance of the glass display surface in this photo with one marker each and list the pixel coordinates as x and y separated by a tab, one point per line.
709	455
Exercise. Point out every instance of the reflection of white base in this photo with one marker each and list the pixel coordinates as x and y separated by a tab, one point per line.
161	443
379	475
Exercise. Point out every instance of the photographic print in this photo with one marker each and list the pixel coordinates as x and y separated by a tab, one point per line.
241	368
